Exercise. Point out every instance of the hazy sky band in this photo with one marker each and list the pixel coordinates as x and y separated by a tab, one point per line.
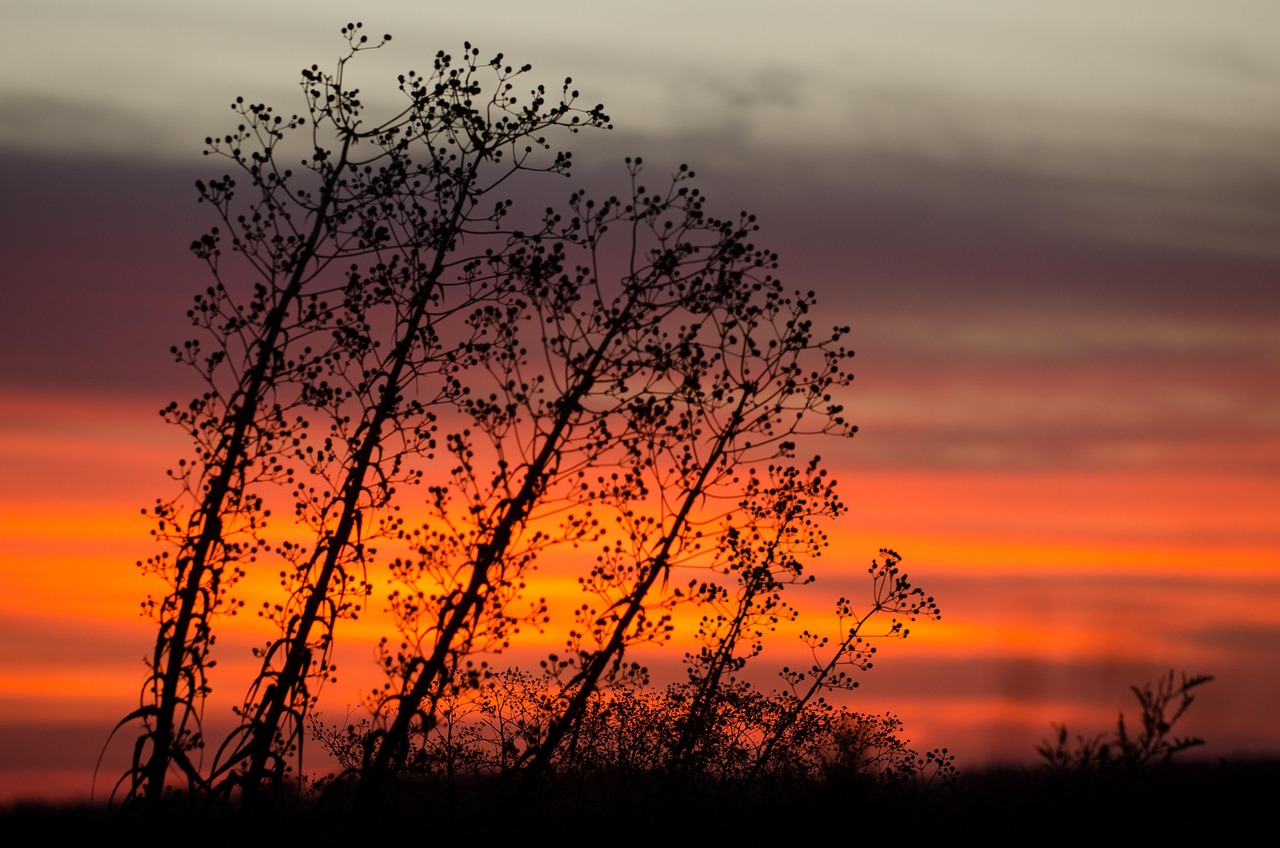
1151	121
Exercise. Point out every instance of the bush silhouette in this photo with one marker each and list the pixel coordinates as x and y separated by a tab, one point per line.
1163	702
619	761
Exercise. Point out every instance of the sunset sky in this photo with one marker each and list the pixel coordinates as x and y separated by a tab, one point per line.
1054	229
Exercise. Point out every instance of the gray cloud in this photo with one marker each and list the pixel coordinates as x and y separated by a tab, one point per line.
971	325
46	124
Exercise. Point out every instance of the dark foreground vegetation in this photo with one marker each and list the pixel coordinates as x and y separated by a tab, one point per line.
1202	803
835	776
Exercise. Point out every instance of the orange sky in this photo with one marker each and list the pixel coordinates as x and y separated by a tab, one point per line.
1057	590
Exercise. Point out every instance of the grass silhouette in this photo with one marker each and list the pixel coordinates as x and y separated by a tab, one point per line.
1207	802
845	776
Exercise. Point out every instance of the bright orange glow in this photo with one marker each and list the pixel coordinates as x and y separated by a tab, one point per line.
1128	572
58	695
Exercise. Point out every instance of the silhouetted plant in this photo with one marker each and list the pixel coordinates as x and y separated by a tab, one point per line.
636	396
853	650
352	344
622	750
416	318
871	745
621	374
774	530
1163	702
245	425
716	372
628	736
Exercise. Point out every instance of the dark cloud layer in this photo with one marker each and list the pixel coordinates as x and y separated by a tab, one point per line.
959	287
98	276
